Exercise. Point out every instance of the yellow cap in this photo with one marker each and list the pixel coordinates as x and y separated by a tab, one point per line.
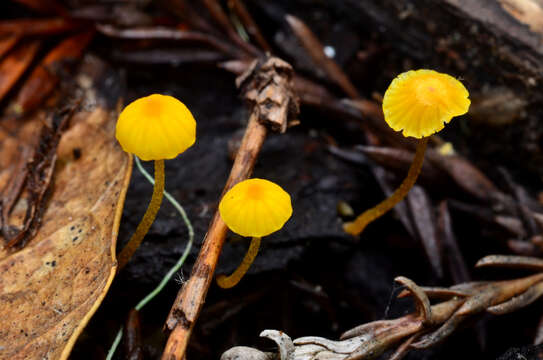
420	102
156	127
255	207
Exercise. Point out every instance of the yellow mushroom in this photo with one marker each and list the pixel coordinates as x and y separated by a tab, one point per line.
154	127
256	208
419	103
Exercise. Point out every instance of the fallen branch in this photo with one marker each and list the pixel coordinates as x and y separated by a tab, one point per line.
427	327
267	85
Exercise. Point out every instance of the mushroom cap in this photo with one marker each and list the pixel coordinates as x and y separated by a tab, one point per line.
255	207
156	127
420	102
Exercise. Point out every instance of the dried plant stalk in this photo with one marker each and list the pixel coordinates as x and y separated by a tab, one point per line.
267	86
427	327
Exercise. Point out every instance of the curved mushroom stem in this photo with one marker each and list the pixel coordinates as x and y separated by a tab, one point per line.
148	218
360	223
230	281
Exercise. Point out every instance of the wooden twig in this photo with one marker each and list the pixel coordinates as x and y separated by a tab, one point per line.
162	33
403	349
482	299
422	329
522	262
422	302
267	85
315	49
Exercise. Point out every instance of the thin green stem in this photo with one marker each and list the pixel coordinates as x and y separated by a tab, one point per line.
173	270
359	224
230	281
239	27
115	344
183	257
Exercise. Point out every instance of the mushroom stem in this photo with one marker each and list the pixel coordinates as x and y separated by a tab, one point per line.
148	218
359	224
230	281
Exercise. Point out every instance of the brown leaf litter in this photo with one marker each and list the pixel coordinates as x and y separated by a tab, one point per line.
50	288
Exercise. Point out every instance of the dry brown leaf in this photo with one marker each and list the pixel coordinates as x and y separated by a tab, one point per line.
51	287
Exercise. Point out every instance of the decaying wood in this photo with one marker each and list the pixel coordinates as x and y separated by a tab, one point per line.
268	89
425	328
489	44
509	29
